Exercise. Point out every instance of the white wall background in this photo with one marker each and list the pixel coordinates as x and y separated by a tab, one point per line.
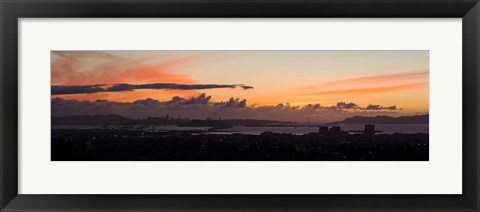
441	175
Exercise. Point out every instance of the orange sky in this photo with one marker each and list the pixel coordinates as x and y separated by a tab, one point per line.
296	77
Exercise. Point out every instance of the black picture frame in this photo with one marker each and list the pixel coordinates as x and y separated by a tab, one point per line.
12	10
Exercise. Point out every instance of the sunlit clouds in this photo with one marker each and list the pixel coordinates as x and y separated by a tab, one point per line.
333	83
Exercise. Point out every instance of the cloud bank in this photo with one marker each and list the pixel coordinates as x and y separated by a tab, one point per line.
201	107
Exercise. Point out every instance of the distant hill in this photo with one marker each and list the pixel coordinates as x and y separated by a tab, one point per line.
121	120
417	119
243	122
92	120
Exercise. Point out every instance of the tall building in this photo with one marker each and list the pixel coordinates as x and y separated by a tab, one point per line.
369	129
335	130
323	130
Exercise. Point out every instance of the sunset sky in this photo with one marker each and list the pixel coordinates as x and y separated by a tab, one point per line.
382	79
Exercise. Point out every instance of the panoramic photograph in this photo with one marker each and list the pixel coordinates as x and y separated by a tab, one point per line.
257	105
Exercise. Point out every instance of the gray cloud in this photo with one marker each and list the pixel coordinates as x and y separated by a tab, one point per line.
202	99
379	107
77	89
350	105
312	107
232	103
86	89
246	87
393	107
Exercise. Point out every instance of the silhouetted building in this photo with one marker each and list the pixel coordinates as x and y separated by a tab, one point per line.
335	130
369	129
323	130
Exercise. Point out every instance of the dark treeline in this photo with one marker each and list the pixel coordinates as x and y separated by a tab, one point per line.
132	145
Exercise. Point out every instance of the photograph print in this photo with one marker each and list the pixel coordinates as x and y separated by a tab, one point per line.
280	105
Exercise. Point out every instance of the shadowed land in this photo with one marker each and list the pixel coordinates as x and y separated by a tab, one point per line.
138	145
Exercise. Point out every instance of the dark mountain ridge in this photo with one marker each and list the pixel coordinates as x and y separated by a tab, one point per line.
416	119
112	119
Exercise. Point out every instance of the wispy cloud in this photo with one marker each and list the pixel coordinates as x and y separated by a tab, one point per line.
421	75
369	90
